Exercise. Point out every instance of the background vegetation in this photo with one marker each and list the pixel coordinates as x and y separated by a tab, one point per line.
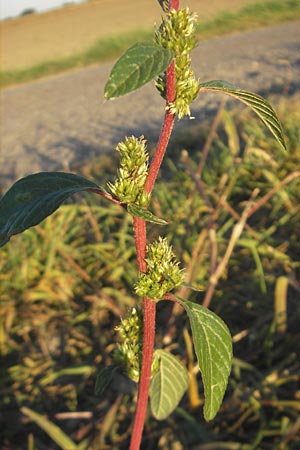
65	283
108	48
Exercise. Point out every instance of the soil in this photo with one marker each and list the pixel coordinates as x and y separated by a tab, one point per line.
62	122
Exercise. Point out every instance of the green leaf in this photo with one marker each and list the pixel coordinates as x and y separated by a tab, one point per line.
55	433
168	385
257	103
145	214
104	378
33	198
194	288
213	347
139	64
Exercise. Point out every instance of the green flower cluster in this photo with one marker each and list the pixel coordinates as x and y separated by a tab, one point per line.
163	273
177	32
132	174
129	352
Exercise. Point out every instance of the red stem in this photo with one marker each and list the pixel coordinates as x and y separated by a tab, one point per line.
165	132
140	234
160	151
148	346
140	237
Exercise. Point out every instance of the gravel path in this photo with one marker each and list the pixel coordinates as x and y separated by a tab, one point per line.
60	122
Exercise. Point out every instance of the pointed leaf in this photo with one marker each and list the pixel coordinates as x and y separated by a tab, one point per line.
139	64
194	288
213	347
257	103
33	198
104	378
168	385
145	214
55	433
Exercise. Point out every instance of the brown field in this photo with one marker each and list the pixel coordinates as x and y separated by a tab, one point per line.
32	39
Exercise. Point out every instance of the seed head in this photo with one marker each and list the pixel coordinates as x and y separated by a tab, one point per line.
132	174
163	273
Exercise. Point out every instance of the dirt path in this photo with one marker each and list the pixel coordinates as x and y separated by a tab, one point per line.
61	122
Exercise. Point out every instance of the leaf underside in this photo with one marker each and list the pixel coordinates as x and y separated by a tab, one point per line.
213	347
31	199
145	214
103	379
139	64
168	385
257	103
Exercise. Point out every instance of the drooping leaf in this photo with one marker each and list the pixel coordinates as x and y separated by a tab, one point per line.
145	214
104	377
139	64
168	385
31	199
213	347
55	433
257	103
194	288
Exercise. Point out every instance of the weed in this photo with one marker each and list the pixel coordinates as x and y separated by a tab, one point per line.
78	278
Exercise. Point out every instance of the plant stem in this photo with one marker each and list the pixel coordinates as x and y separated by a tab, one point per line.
159	155
140	234
140	237
149	306
148	346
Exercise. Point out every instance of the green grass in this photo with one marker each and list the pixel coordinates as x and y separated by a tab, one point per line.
65	283
250	17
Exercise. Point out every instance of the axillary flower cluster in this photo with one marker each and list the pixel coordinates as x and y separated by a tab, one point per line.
129	351
133	171
177	32
163	272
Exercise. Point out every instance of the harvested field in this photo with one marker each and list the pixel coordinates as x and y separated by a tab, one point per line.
32	39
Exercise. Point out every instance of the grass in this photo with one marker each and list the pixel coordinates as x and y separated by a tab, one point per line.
65	283
250	17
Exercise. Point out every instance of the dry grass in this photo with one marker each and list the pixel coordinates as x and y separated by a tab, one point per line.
32	39
65	283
